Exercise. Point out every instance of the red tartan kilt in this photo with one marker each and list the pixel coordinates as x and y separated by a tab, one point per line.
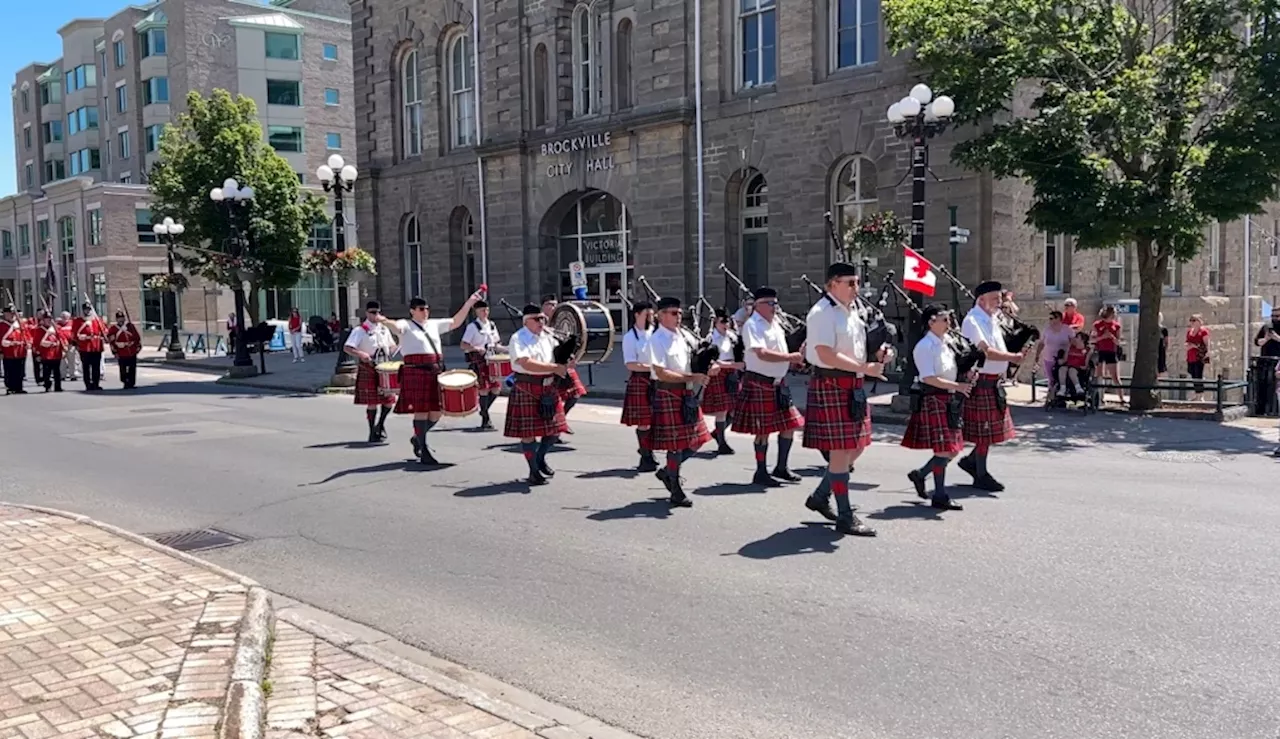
636	410
756	411
928	428
577	390
669	432
828	423
419	388
983	422
523	421
478	364
367	387
716	397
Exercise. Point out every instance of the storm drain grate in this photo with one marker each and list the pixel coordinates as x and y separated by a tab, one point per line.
1177	456
198	540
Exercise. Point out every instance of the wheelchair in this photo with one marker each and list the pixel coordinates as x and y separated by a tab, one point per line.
1086	397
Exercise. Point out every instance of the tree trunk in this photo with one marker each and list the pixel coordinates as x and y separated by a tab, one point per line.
1151	273
251	303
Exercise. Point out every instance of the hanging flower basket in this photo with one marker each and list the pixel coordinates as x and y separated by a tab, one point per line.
876	235
175	282
352	262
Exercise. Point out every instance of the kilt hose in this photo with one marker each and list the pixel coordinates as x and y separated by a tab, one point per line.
669	432
636	410
716	397
756	410
829	424
367	387
984	423
576	390
479	364
928	428
420	384
523	418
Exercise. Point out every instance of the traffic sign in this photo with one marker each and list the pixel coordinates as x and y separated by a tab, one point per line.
577	274
957	231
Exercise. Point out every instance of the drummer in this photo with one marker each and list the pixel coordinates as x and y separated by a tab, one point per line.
535	413
479	341
421	347
370	343
571	388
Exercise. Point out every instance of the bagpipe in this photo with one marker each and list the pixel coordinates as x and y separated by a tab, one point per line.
1018	334
793	327
703	353
878	342
881	332
968	356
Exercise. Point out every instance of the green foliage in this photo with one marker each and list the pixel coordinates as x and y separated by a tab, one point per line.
217	138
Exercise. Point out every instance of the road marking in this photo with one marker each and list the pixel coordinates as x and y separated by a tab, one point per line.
150	410
177	433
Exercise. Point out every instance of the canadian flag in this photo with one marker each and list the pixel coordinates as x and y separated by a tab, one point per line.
917	273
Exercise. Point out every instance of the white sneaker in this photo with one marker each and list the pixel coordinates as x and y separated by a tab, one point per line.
295	360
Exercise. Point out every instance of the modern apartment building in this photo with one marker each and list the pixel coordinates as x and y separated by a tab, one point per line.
87	127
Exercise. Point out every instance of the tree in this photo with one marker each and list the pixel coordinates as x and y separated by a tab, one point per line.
1148	118
217	138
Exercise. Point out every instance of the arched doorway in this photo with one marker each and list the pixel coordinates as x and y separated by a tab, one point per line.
594	227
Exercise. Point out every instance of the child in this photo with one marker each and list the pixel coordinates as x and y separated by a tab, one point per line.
1077	361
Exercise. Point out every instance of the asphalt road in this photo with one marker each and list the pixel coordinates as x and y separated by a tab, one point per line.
1103	595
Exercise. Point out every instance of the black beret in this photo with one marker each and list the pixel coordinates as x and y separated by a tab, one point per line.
479	304
373	305
119	314
931	310
87	306
531	310
667	303
841	269
764	292
10	309
722	314
641	306
417	303
989	286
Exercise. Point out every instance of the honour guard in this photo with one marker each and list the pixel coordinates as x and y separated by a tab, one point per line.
637	408
535	412
125	343
421	347
32	327
677	425
369	342
986	412
480	340
936	413
722	389
571	387
89	333
837	417
70	357
13	347
50	346
764	405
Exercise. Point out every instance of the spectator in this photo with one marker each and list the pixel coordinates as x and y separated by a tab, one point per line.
1269	338
1071	316
334	326
1052	345
748	307
1197	353
1106	337
1162	355
295	334
1076	363
1007	305
231	332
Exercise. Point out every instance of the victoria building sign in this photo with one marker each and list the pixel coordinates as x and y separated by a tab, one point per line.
591	144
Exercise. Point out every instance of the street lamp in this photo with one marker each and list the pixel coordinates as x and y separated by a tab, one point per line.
166	230
918	117
236	199
339	178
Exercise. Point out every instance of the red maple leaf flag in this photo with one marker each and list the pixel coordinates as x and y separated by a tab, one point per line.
917	273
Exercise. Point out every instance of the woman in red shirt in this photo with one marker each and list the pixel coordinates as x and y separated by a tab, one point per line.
295	334
1106	339
1197	353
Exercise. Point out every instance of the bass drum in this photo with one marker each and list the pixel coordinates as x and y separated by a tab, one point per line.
592	323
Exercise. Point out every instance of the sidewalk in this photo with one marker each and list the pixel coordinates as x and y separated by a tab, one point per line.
106	634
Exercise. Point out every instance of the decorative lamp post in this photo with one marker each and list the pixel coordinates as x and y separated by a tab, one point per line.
918	117
166	230
236	199
339	178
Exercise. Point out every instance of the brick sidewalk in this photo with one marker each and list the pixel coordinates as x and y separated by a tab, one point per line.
104	637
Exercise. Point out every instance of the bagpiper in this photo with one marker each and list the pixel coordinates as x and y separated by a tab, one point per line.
51	347
367	343
535	411
722	389
571	387
125	343
13	349
764	406
986	412
479	342
677	425
89	332
637	405
937	413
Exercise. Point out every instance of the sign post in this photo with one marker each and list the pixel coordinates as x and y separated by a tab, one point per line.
578	279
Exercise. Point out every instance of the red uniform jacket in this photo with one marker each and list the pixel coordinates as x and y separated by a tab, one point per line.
64	330
50	344
13	340
89	333
125	340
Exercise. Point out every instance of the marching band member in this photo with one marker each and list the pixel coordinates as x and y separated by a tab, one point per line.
70	357
764	404
677	424
986	414
479	341
51	346
837	416
722	390
937	419
367	341
32	327
125	343
13	348
89	332
571	388
535	412
420	345
637	409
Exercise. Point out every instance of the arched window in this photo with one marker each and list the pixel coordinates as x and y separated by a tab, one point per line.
622	65
462	101
411	97
412	259
755	232
596	231
470	277
586	61
854	193
540	85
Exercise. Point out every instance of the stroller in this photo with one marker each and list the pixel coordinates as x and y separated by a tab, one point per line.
1085	395
322	339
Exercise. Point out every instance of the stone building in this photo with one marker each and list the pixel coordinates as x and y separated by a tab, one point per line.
87	129
571	136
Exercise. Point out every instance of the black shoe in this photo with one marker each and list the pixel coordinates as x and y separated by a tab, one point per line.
555	439
917	478
662	474
723	448
762	479
853	526
647	464
782	473
19	392
546	470
414	441
536	479
422	452
57	390
821	507
382	432
970	465
373	436
988	483
680	500
487	426
945	503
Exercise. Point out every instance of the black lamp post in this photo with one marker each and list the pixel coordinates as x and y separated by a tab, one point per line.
339	178
237	200
166	230
918	117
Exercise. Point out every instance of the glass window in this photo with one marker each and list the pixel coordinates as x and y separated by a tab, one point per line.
91	117
595	231
622	64
855	29
28	297
26	101
1053	254
540	85
153	137
284	92
855	193
24	239
155	90
411	96
321	237
462	102
586	61
126	179
331	52
67	234
52	131
333	140
154	42
99	293
330	96
122	98
30	175
94	217
284	138
1115	267
26	136
50	92
1215	257
758	42
142	217
412	259
119	52
755	231
159	307
122	145
42	235
54	170
281	45
6	244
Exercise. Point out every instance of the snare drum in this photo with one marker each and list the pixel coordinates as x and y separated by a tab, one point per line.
499	367
459	393
388	378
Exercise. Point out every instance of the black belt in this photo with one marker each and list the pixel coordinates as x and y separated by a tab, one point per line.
988	380
670	385
837	374
764	378
527	379
639	374
943	393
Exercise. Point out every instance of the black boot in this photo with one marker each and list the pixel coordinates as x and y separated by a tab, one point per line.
372	417
943	502
648	463
969	465
853	526
820	506
678	499
782	473
917	478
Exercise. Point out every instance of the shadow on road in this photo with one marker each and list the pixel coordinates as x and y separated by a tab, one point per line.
733	488
1057	434
919	510
500	488
652	508
404	465
621	473
348	445
807	538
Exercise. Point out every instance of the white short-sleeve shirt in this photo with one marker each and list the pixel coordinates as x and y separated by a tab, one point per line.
482	336
635	344
370	337
980	326
934	358
724	342
422	338
525	344
838	327
669	350
761	334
